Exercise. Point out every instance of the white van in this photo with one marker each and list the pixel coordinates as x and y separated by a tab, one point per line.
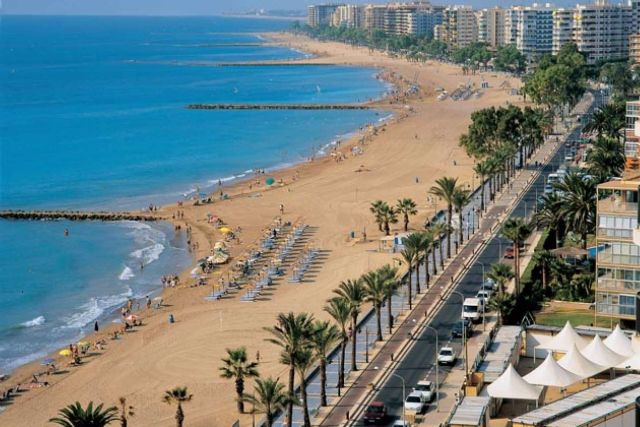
472	309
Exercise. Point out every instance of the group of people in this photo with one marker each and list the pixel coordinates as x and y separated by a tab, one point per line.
170	281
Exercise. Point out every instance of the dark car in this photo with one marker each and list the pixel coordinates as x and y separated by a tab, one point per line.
460	327
376	413
509	252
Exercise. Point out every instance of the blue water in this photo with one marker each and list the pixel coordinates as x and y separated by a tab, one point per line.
92	116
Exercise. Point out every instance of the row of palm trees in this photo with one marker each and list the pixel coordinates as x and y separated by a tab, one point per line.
385	215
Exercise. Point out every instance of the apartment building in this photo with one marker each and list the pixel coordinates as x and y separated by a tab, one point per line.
459	27
632	135
348	15
319	15
562	28
530	29
634	48
423	22
491	26
618	255
374	16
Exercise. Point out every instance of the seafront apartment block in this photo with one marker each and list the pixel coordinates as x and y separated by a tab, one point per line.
618	248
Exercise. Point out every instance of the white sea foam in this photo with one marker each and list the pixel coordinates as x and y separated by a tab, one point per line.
148	254
153	240
34	322
126	274
93	309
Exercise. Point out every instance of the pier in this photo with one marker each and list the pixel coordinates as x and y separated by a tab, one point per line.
49	215
277	107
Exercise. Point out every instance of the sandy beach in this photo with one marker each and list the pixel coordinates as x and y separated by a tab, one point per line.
401	158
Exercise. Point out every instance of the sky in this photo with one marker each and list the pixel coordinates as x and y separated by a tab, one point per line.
192	7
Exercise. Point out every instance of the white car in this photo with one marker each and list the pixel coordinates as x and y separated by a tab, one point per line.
484	295
488	284
447	356
415	402
426	388
400	423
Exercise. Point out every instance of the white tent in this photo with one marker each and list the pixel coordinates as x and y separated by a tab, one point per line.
575	362
635	343
632	363
564	340
599	353
510	385
619	342
549	373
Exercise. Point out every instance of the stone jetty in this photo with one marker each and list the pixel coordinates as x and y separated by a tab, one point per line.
43	215
277	107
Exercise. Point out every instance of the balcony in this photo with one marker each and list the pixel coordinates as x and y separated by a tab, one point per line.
616	204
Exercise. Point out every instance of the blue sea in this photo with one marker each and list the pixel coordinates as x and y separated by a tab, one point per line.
92	116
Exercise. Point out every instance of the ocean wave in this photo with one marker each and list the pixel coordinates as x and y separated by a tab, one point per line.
33	322
152	239
93	309
126	274
148	254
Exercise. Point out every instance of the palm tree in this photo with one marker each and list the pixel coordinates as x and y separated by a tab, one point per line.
125	411
483	169
384	215
544	259
75	415
579	204
439	231
388	276
376	293
409	256
269	398
461	198
414	243
339	310
303	363
608	120
606	159
291	334
500	274
375	209
445	188
517	230
503	304
236	365
324	337
406	207
426	245
178	396
551	215
354	294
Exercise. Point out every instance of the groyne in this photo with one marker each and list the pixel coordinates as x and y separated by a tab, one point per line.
277	107
42	215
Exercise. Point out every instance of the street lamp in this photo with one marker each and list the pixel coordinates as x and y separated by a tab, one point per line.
435	331
366	344
404	422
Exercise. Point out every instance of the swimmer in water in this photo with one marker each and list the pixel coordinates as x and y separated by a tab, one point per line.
66	232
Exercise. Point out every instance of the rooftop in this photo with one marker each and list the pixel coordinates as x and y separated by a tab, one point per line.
470	411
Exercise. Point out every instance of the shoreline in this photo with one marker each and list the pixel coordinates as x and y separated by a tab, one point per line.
294	178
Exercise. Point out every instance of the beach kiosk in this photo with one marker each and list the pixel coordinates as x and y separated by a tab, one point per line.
392	244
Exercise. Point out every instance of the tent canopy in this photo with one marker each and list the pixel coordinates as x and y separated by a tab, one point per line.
599	353
632	363
510	385
549	373
565	339
619	342
575	362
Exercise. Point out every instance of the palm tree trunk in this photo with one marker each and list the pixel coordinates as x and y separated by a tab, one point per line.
305	404
584	241
354	324
461	230
270	419
387	230
239	392
179	415
292	379
516	252
389	314
427	277
323	382
379	321
482	193
418	275
434	262
441	255
544	276
450	211
343	351
406	222
409	287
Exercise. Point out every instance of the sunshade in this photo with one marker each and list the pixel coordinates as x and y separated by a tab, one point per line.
632	363
224	230
270	181
549	373
575	362
599	353
564	340
619	342
510	385
65	352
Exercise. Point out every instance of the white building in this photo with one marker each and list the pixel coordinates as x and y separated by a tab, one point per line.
530	29
348	15
320	14
459	27
491	26
562	28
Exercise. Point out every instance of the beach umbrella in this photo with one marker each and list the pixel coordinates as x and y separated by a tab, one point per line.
82	343
224	230
48	361
66	352
270	181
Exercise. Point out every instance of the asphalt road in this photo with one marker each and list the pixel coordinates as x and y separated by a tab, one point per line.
419	361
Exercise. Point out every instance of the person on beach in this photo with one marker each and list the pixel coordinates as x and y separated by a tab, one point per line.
148	302
281	209
95	327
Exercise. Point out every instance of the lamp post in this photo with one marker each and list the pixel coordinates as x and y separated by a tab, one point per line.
435	331
483	302
366	344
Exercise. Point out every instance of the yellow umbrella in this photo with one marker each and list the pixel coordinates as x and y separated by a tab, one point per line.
224	230
65	352
82	343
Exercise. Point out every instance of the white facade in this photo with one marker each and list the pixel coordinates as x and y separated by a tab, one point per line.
530	29
320	14
347	15
459	26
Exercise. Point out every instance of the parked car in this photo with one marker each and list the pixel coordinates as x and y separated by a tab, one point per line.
447	356
415	402
376	413
461	327
400	423
472	309
509	252
427	389
489	285
484	295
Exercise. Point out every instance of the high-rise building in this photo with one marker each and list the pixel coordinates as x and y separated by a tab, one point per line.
423	22
530	29
562	28
348	15
491	26
374	16
634	48
459	27
319	15
402	18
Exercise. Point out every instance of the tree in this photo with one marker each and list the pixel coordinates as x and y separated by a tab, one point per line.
461	198
384	215
579	204
409	256
339	310
620	77
237	366
177	396
75	415
125	412
543	259
388	277
445	188
551	215
375	210
414	243
406	207
517	230
606	159
483	169
426	245
303	363
354	294
508	58
291	334
439	230
608	120
500	274
375	290
503	304
269	398
325	335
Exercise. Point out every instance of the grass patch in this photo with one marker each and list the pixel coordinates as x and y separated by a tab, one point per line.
580	317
